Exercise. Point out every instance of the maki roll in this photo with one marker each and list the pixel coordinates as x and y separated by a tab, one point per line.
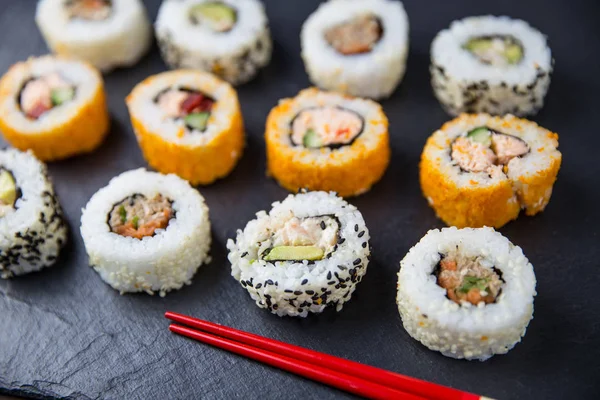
146	231
308	253
54	106
358	47
327	141
481	170
229	38
105	33
490	64
188	123
467	293
32	228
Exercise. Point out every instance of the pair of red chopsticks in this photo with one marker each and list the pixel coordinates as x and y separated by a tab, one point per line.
340	373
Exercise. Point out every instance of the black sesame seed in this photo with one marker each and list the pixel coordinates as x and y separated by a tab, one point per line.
357	261
356	228
258	286
323	226
288	291
244	284
341	267
244	254
342	240
304	282
330	282
364	245
361	234
329	275
250	283
310	292
298	292
269	282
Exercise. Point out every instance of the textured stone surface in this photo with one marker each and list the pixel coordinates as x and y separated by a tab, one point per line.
65	334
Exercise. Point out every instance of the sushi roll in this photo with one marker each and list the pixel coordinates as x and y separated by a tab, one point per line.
146	232
53	106
358	47
229	38
105	33
495	65
188	123
32	228
308	253
327	141
467	293
479	170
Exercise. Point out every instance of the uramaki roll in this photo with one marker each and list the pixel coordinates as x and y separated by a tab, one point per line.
327	141
54	106
479	170
188	123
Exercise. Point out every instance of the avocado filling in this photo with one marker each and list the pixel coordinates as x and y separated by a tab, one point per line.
89	10
326	127
485	150
467	280
218	17
41	94
356	36
191	106
137	216
298	239
497	50
9	192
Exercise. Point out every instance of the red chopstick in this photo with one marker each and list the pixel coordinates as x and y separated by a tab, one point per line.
363	372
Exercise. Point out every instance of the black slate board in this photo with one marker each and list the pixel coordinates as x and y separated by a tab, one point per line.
65	334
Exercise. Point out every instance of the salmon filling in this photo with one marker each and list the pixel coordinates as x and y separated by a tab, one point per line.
466	280
485	150
356	36
43	93
137	216
496	50
187	104
217	16
326	127
90	10
9	192
293	238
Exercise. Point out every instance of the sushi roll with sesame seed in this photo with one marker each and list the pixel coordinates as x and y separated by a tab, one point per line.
53	106
327	141
479	170
308	253
495	65
146	232
229	38
358	47
32	228
188	123
467	293
105	33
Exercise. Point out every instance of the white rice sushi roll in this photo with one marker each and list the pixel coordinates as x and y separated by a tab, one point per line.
489	64
229	38
105	33
358	47
467	293
146	231
32	228
308	253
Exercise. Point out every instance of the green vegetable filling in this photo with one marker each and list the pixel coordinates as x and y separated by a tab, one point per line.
123	214
294	253
219	16
481	135
135	220
8	188
311	139
484	46
197	120
470	282
62	95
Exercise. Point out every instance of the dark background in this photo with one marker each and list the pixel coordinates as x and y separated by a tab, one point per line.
64	333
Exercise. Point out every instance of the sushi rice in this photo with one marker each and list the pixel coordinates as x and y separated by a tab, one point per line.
163	261
374	72
301	286
464	330
32	227
118	37
463	83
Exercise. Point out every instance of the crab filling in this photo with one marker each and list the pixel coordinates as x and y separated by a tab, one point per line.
297	239
497	50
192	106
9	192
138	216
326	127
485	150
41	94
217	16
467	280
90	10
356	36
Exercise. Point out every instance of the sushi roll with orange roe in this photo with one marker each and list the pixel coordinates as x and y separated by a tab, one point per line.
188	123
54	106
479	170
327	141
